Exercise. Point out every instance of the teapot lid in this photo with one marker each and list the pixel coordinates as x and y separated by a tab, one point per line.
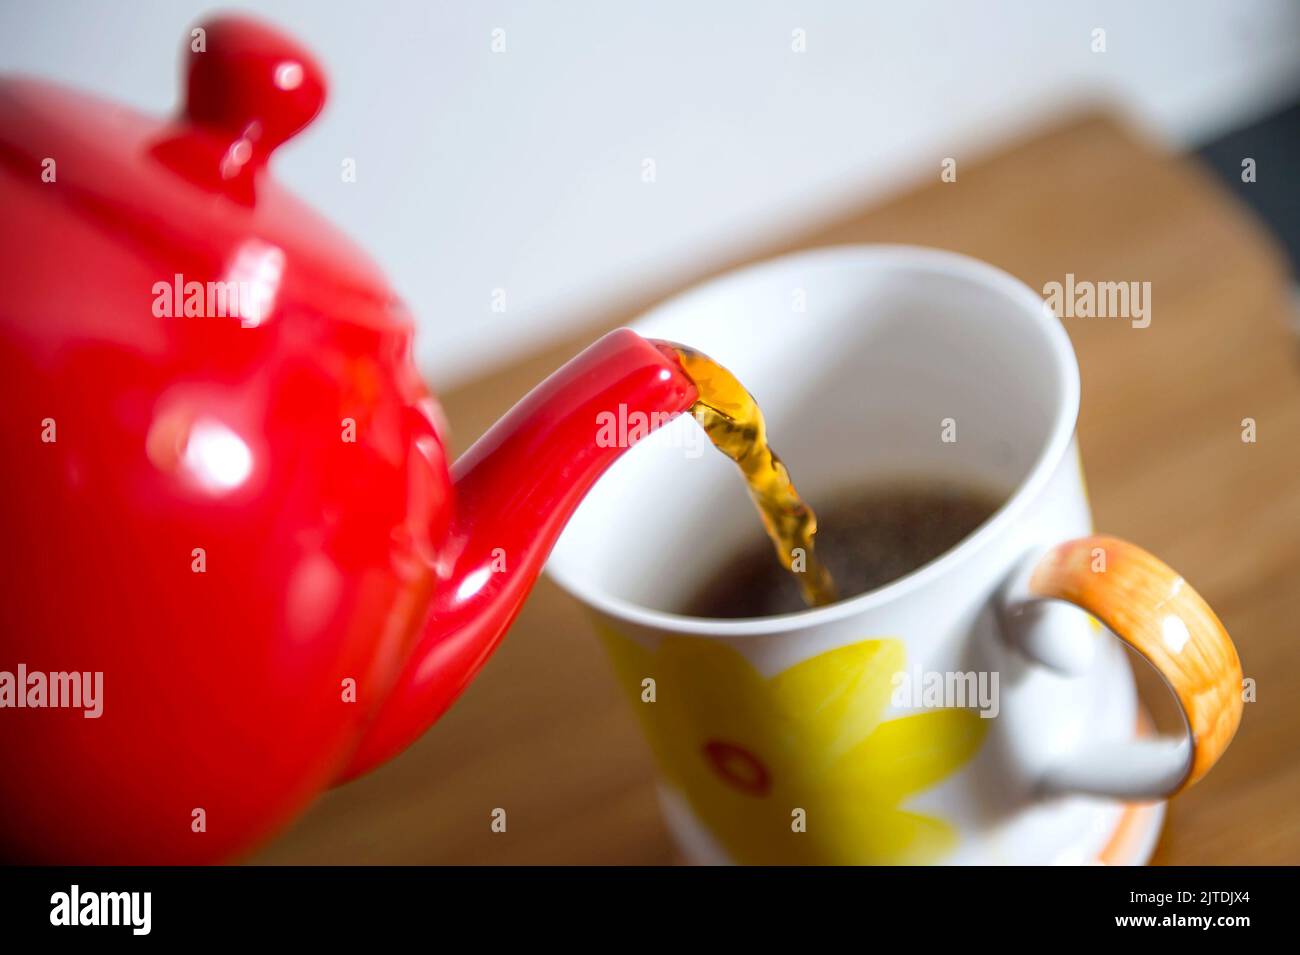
190	198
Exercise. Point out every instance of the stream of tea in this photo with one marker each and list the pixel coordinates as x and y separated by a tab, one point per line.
734	423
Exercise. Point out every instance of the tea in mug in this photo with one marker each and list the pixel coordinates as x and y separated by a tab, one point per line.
870	537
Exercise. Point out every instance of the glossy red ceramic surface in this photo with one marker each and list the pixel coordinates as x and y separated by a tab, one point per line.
237	515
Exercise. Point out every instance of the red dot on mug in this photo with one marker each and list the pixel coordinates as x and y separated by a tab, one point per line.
739	767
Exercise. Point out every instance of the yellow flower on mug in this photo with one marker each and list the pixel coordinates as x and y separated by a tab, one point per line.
748	751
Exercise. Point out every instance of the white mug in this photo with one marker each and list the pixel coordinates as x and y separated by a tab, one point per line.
968	712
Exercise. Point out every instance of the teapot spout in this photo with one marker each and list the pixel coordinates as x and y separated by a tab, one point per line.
515	490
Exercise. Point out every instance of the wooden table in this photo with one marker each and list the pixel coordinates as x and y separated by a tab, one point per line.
545	734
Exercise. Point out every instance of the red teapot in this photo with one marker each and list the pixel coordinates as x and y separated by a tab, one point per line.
236	566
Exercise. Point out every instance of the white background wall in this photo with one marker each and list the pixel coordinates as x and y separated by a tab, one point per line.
522	170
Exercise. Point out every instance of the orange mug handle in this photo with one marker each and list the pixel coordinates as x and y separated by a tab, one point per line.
1156	612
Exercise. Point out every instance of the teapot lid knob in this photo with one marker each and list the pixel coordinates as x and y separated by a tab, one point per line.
250	85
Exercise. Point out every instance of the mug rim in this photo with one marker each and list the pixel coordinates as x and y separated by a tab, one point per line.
1045	463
